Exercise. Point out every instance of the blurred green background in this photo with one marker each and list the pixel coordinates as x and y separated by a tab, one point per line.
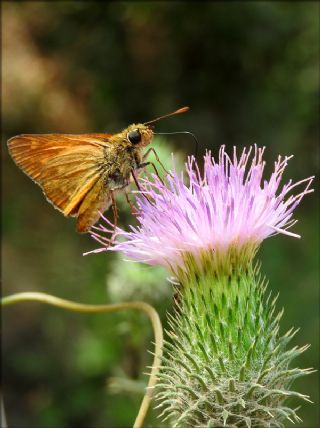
250	72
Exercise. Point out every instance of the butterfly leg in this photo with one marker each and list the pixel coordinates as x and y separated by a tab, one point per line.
115	215
151	149
134	209
144	164
138	186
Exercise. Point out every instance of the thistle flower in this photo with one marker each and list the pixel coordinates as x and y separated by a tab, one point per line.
225	363
227	207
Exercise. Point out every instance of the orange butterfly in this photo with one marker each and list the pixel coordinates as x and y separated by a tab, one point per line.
80	173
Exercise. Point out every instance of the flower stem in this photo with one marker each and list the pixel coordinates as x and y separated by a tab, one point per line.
80	307
3	415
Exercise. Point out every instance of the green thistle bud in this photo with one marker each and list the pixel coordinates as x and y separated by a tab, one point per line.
226	364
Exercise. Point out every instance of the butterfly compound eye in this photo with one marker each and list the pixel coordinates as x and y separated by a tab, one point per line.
134	136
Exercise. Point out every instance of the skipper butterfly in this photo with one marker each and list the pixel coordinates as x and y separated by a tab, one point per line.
79	174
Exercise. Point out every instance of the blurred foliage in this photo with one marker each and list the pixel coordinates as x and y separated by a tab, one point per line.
250	72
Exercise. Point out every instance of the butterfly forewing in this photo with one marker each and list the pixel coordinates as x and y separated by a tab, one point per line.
68	168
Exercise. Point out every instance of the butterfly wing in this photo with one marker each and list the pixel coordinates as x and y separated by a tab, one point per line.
68	168
95	202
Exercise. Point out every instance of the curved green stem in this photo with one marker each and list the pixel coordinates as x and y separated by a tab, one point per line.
3	415
79	307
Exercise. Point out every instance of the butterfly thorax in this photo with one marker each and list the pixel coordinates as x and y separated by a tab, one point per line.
125	153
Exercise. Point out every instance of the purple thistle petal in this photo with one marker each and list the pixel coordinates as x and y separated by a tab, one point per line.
228	205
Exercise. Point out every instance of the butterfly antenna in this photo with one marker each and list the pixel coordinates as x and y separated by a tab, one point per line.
180	110
182	132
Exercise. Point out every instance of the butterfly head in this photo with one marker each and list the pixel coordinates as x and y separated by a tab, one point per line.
139	135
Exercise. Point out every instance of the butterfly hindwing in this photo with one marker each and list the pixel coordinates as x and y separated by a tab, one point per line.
96	201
